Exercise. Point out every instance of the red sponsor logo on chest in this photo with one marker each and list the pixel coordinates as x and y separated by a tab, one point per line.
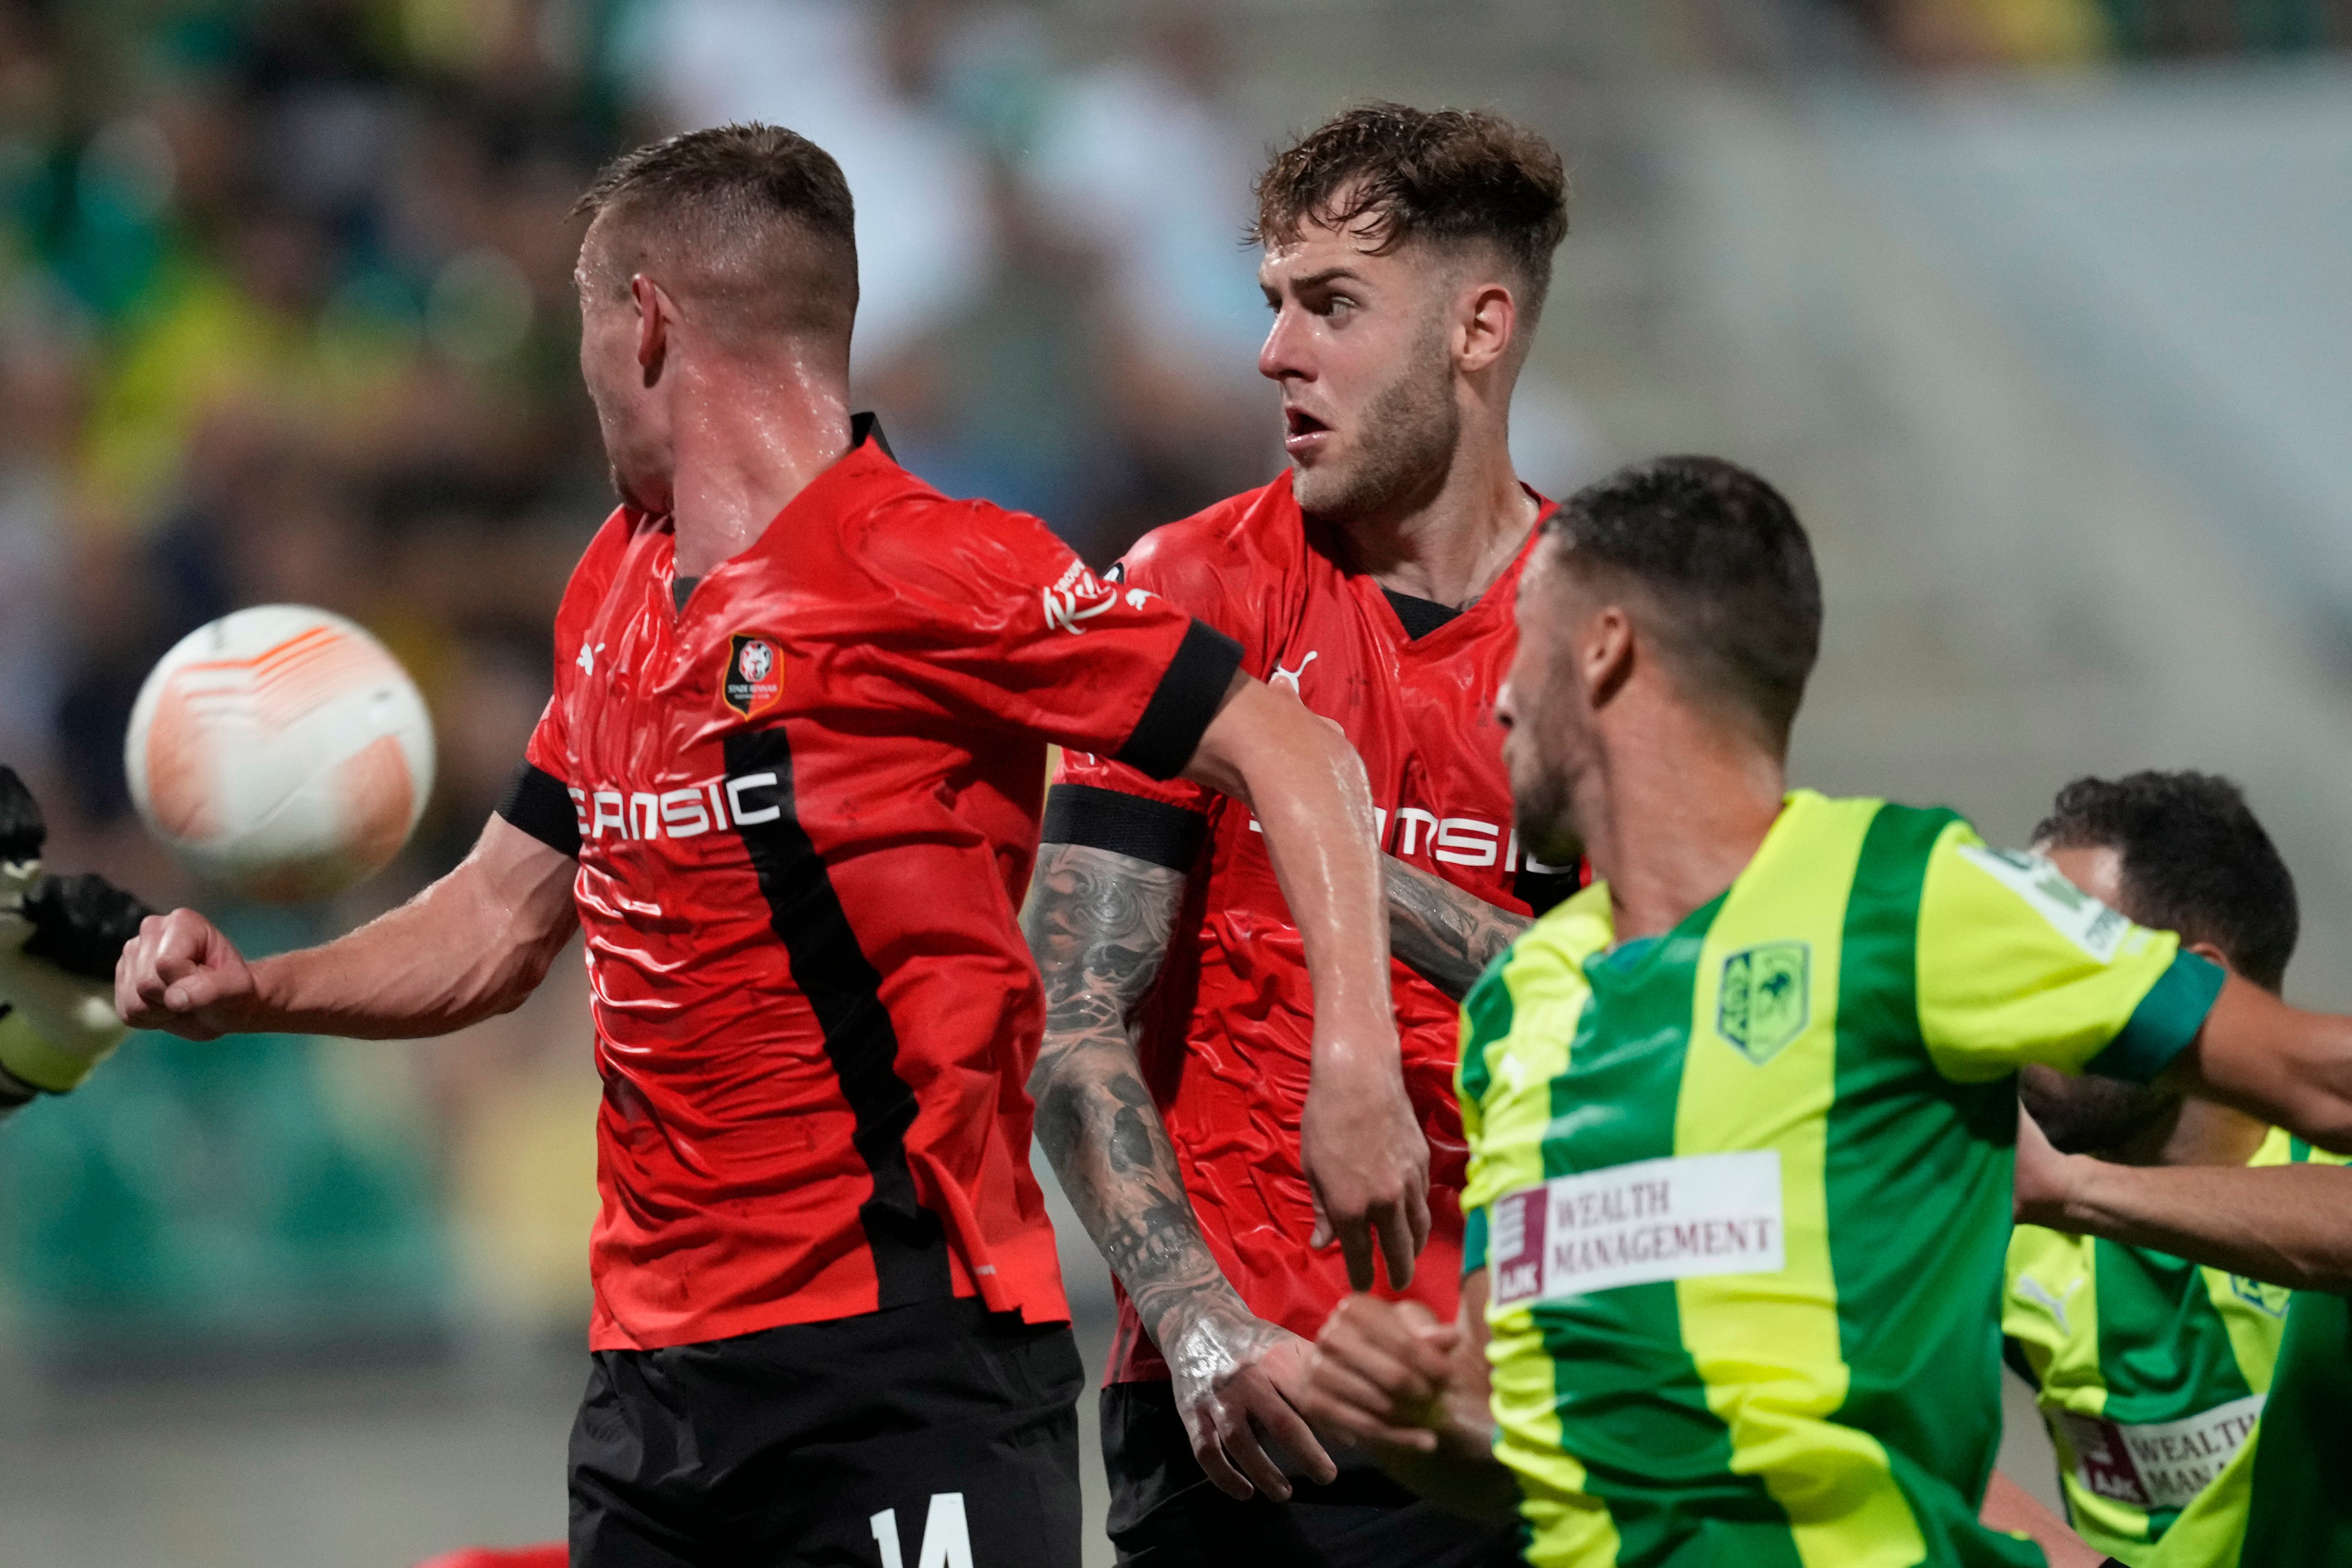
755	674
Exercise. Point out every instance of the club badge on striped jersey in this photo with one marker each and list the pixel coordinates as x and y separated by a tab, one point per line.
1765	998
755	674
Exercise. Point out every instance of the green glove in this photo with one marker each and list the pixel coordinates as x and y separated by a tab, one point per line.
59	938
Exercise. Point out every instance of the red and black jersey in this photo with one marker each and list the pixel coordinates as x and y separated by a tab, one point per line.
805	804
1225	1044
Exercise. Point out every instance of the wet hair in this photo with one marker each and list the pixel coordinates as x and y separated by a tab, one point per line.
2192	859
1728	570
1439	176
752	222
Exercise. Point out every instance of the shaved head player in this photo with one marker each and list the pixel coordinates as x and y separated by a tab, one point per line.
789	786
1407	254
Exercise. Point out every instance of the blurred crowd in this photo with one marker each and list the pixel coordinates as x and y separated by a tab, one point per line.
286	311
1948	34
286	314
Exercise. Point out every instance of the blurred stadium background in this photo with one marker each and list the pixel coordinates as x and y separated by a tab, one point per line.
2038	309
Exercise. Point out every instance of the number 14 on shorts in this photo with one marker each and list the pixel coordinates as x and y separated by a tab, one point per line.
947	1541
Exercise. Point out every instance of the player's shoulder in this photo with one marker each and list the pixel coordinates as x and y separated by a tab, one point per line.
1546	964
607	548
902	531
1255	538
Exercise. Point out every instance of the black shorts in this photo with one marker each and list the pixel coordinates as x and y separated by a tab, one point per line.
1165	1512
847	1443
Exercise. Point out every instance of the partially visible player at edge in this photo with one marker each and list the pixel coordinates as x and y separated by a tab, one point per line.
1407	254
789	784
1735	1302
2150	1369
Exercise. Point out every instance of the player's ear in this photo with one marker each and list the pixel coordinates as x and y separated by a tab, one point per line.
655	314
1604	654
1489	324
2208	950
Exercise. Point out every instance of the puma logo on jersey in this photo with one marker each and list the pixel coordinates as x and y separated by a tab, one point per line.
587	659
1289	677
2034	1291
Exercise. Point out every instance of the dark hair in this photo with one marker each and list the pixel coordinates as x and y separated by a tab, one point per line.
1738	602
2194	859
754	217
1445	175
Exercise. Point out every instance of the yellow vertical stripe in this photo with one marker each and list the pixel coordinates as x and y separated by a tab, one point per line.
1544	976
1767	1345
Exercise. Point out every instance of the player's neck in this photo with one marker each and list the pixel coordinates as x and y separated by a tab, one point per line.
1452	547
740	454
2198	1133
1674	811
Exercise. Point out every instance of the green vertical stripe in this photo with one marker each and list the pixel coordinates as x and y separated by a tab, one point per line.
1631	1406
1912	1177
2172	1357
2301	1510
1486	1018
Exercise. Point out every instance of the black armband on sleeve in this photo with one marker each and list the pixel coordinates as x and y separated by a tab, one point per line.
1188	697
1123	824
541	805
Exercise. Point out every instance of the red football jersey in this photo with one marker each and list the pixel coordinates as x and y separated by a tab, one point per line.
805	808
1226	1042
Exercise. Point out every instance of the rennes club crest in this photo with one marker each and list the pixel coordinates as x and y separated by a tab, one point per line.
755	674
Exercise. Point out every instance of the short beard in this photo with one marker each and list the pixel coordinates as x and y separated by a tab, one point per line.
621	489
1546	825
2089	1114
1409	434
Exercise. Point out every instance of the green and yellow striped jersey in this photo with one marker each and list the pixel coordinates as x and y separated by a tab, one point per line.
2284	1498
1742	1189
2151	1370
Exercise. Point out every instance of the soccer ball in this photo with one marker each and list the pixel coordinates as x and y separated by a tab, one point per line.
280	753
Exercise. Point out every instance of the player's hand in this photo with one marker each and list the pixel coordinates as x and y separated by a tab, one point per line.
1380	1374
182	975
1367	1161
1239	1381
2045	1178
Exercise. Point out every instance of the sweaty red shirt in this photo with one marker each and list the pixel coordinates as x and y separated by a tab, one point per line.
1225	1040
805	809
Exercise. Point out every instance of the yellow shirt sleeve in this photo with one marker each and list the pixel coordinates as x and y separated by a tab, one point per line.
2016	965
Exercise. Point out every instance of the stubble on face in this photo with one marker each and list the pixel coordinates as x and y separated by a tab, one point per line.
1404	444
1538	750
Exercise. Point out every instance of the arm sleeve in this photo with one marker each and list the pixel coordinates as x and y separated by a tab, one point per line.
1104	803
541	800
995	621
2017	966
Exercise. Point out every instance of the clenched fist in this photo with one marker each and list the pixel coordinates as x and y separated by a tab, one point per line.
179	974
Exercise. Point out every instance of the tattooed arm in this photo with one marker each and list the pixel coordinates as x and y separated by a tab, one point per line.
1444	935
1099	922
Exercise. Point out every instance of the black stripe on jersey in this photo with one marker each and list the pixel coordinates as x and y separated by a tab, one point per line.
541	805
1540	891
1123	824
1189	694
909	1248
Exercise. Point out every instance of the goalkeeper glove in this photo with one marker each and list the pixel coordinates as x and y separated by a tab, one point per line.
60	939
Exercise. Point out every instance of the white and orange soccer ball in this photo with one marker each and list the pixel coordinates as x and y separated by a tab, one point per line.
280	753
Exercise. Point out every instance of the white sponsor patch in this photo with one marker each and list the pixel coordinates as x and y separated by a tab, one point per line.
2072	913
1636	1225
2164	1464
